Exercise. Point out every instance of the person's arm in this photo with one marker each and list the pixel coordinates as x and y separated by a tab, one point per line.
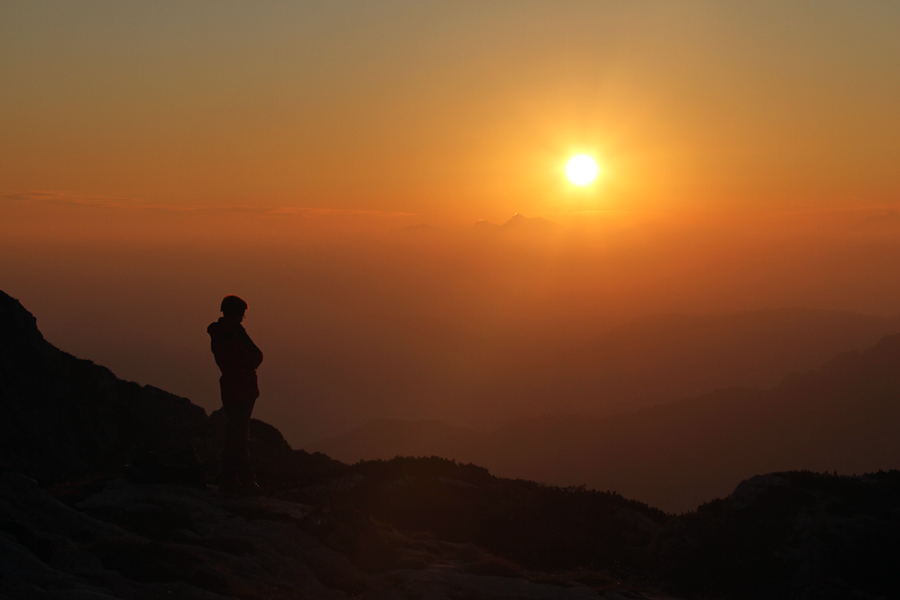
254	354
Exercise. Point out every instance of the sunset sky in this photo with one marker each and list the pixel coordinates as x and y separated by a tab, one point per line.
155	156
457	111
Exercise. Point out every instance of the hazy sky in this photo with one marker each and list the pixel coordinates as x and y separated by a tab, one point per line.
456	111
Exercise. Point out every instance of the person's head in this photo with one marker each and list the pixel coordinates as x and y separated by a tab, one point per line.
233	307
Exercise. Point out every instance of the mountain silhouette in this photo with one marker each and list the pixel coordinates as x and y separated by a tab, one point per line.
485	227
842	417
668	357
518	225
64	417
104	494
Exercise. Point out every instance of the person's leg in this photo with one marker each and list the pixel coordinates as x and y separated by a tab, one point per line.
244	468
236	468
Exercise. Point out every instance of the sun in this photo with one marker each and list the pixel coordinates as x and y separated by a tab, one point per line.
582	169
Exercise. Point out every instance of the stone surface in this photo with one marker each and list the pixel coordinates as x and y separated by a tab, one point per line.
790	535
131	540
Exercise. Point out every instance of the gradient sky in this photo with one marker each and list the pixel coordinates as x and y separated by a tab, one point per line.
454	111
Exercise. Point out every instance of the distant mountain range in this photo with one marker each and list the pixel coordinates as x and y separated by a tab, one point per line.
517	224
668	357
842	417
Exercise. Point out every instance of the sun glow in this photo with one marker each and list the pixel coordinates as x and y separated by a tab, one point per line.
582	169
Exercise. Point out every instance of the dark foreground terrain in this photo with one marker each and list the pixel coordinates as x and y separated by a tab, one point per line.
104	493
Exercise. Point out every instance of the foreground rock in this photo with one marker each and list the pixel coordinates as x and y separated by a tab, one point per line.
789	535
147	541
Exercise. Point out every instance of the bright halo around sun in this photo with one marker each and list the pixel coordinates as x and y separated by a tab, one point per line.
582	169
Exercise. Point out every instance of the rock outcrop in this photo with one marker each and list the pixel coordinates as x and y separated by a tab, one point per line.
790	535
149	541
62	417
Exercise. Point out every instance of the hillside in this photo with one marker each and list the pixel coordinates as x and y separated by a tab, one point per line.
665	358
842	417
105	492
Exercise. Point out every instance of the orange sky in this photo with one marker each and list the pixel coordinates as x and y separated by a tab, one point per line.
157	156
454	111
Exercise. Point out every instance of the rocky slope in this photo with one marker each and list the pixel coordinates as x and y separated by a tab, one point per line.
789	535
142	541
62	417
105	493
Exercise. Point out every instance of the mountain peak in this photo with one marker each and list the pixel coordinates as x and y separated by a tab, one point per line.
520	222
485	226
17	323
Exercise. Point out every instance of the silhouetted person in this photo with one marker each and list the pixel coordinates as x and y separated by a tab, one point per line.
237	357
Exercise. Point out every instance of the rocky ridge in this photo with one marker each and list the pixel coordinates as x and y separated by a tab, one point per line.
141	541
105	492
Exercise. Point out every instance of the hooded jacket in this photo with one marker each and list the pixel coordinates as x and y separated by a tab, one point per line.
237	357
